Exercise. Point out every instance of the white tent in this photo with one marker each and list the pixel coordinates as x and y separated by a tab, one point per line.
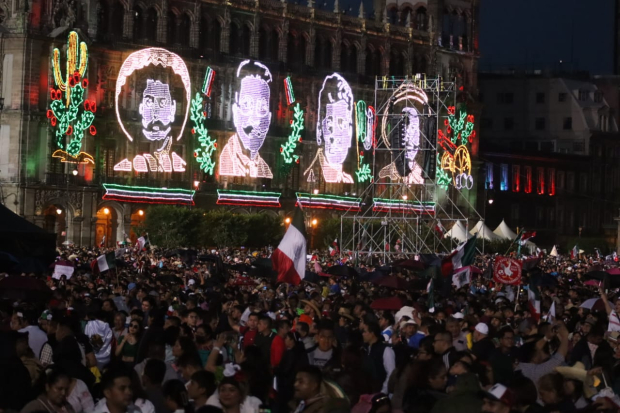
504	232
484	232
458	232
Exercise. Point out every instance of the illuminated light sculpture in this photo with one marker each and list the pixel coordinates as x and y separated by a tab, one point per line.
528	180
551	186
405	141
340	203
540	187
207	146
147	195
123	166
157	108
297	125
208	82
252	119
455	162
248	198
403	206
334	127
365	131
70	114
288	87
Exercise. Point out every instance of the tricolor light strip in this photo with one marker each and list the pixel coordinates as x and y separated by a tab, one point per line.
288	86
248	198
400	206
341	203
208	82
147	195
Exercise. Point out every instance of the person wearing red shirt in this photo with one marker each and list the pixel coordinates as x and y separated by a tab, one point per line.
249	331
277	345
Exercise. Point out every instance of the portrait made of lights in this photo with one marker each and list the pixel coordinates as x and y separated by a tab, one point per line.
334	131
157	110
400	132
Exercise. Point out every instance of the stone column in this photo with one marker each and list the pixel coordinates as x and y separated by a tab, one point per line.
336	50
408	62
310	46
385	59
162	25
128	21
225	35
194	33
254	36
283	49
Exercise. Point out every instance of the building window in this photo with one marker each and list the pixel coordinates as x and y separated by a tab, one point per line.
514	212
540	182
598	96
504	183
583	95
568	123
489	181
583	182
551	181
560	217
509	123
546	146
570	181
579	145
562	97
516	178
540	123
528	180
505	98
540	97
551	215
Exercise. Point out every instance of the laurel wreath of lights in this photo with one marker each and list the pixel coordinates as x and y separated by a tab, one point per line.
365	130
204	153
297	125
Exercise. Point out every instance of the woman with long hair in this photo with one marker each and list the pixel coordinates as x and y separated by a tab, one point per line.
54	398
127	348
231	397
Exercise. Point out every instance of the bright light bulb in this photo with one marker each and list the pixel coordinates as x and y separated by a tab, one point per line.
405	197
316	191
491	201
314	222
106	211
196	184
75	172
59	211
287	220
140	212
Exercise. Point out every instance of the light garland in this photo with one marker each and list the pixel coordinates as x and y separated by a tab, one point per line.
455	162
322	201
365	122
297	125
208	82
248	198
148	195
207	146
70	114
403	206
288	87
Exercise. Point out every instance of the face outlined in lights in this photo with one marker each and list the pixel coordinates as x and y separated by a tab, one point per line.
334	129
252	119
406	97
157	109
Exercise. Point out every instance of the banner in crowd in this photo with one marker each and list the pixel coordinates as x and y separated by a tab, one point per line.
507	271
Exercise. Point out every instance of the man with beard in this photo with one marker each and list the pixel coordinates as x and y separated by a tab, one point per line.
252	118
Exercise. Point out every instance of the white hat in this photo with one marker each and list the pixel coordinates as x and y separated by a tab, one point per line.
405	311
482	328
458	316
191	282
410	323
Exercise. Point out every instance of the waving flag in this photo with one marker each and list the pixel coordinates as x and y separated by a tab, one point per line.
462	256
574	253
526	235
289	259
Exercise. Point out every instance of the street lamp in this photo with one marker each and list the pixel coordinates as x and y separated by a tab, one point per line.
106	211
140	212
314	222
75	172
316	191
58	211
287	220
491	201
196	184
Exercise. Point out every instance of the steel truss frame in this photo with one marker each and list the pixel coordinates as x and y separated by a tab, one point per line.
400	211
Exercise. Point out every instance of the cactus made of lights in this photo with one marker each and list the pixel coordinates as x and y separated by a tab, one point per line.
69	113
204	152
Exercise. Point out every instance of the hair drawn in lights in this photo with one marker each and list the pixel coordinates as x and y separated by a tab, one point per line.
157	109
334	128
252	119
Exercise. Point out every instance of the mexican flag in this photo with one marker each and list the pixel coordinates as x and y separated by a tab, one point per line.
106	262
533	296
574	253
289	259
462	256
526	235
431	296
143	242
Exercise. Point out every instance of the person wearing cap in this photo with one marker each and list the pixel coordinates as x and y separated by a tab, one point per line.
459	339
499	399
483	346
21	322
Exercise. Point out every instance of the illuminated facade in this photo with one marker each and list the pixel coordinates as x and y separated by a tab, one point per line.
204	96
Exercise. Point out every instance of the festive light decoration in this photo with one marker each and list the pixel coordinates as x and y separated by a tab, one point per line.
540	187
208	82
252	119
516	178
334	127
70	115
288	87
206	145
403	206
297	125
551	186
322	201
147	195
503	186
405	142
455	158
365	131
528	180
489	182
248	198
157	109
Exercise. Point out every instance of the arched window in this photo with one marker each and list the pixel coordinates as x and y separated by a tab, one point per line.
446	29
234	39
214	37
263	44
204	33
406	14
274	45
138	23
171	33
291	49
184	30
117	20
151	25
392	15
318	55
353	59
421	20
247	35
103	18
465	32
301	49
344	58
327	54
397	66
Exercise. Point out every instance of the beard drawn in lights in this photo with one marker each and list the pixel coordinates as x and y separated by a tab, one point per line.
408	144
157	110
252	118
334	127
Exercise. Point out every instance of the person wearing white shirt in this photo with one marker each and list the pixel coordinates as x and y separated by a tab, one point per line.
116	386
36	337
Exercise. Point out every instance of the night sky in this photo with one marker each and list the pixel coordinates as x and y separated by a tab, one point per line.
537	34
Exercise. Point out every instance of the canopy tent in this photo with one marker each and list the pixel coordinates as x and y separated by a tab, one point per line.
33	248
504	232
484	232
458	232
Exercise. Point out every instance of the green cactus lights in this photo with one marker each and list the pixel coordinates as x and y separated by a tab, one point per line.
70	114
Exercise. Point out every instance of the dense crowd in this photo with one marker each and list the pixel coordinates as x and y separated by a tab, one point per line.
196	331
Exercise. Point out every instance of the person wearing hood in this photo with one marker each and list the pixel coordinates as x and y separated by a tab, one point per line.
100	335
463	399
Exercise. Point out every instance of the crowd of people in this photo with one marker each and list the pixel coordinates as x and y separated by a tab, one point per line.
202	332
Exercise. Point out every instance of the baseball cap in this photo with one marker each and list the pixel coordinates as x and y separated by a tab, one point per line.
410	323
458	316
131	286
500	393
482	328
405	311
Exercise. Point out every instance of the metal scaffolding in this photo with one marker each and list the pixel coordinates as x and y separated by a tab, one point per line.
401	213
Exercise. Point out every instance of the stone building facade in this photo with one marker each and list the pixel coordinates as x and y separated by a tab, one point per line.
303	41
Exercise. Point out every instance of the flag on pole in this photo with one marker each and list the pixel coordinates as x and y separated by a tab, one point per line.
462	256
462	276
289	259
554	252
551	314
102	243
106	261
440	229
574	253
533	296
526	235
615	256
333	251
431	296
143	242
